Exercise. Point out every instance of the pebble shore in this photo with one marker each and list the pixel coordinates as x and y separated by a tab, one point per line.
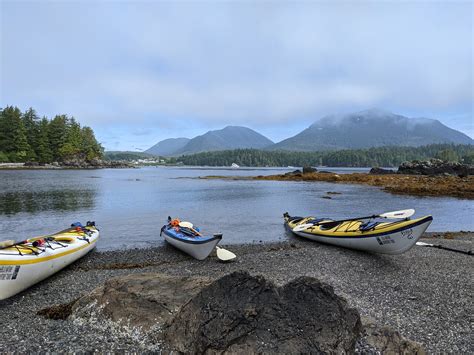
425	294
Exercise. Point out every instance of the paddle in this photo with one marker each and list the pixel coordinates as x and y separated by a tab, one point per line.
468	252
331	224
224	254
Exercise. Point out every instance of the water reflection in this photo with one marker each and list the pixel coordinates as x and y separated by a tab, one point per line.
52	200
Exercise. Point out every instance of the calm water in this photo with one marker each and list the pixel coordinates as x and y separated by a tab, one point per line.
131	205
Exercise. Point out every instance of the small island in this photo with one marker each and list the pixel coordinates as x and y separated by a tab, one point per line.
426	178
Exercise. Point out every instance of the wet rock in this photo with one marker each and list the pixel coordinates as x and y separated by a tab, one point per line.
309	170
327	197
240	313
435	167
380	171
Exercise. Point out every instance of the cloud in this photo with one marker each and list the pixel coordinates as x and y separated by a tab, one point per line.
173	65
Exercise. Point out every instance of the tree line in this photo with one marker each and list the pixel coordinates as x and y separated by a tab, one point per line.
380	156
24	136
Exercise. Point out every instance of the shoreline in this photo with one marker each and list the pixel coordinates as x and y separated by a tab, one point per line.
21	166
424	293
402	184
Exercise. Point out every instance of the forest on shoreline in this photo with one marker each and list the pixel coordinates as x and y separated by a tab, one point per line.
25	137
380	157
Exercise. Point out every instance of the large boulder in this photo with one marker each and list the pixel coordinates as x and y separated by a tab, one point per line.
240	313
237	313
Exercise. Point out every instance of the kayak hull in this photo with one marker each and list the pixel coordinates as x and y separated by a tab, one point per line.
199	248
394	241
19	272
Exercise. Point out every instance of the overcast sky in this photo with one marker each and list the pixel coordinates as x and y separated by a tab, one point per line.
139	72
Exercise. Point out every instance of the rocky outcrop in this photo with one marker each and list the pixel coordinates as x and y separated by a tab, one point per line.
240	313
435	167
380	171
94	164
296	172
309	170
75	164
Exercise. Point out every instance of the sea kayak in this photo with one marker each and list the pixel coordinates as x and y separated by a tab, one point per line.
187	238
394	237
25	263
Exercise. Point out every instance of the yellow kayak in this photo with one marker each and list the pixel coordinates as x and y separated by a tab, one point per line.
393	237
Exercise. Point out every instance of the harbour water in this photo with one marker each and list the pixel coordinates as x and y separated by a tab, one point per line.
131	205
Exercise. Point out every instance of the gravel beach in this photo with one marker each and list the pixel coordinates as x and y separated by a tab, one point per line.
425	294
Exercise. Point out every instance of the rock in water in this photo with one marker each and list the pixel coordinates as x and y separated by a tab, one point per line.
240	313
380	171
309	170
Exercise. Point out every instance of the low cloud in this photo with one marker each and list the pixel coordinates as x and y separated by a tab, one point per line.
169	66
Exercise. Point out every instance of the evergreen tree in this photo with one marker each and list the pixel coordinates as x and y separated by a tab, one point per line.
13	140
57	133
89	145
43	150
468	158
72	146
31	123
448	155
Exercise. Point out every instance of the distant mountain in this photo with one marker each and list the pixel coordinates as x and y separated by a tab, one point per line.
168	146
371	128
230	137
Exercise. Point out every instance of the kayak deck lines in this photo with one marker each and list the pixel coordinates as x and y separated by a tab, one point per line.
35	250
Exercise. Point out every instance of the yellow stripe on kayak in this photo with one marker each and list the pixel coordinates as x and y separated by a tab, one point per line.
40	259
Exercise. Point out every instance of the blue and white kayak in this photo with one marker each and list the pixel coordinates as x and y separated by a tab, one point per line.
187	238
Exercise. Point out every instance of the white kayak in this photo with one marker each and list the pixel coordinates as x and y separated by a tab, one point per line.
394	237
184	237
33	260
